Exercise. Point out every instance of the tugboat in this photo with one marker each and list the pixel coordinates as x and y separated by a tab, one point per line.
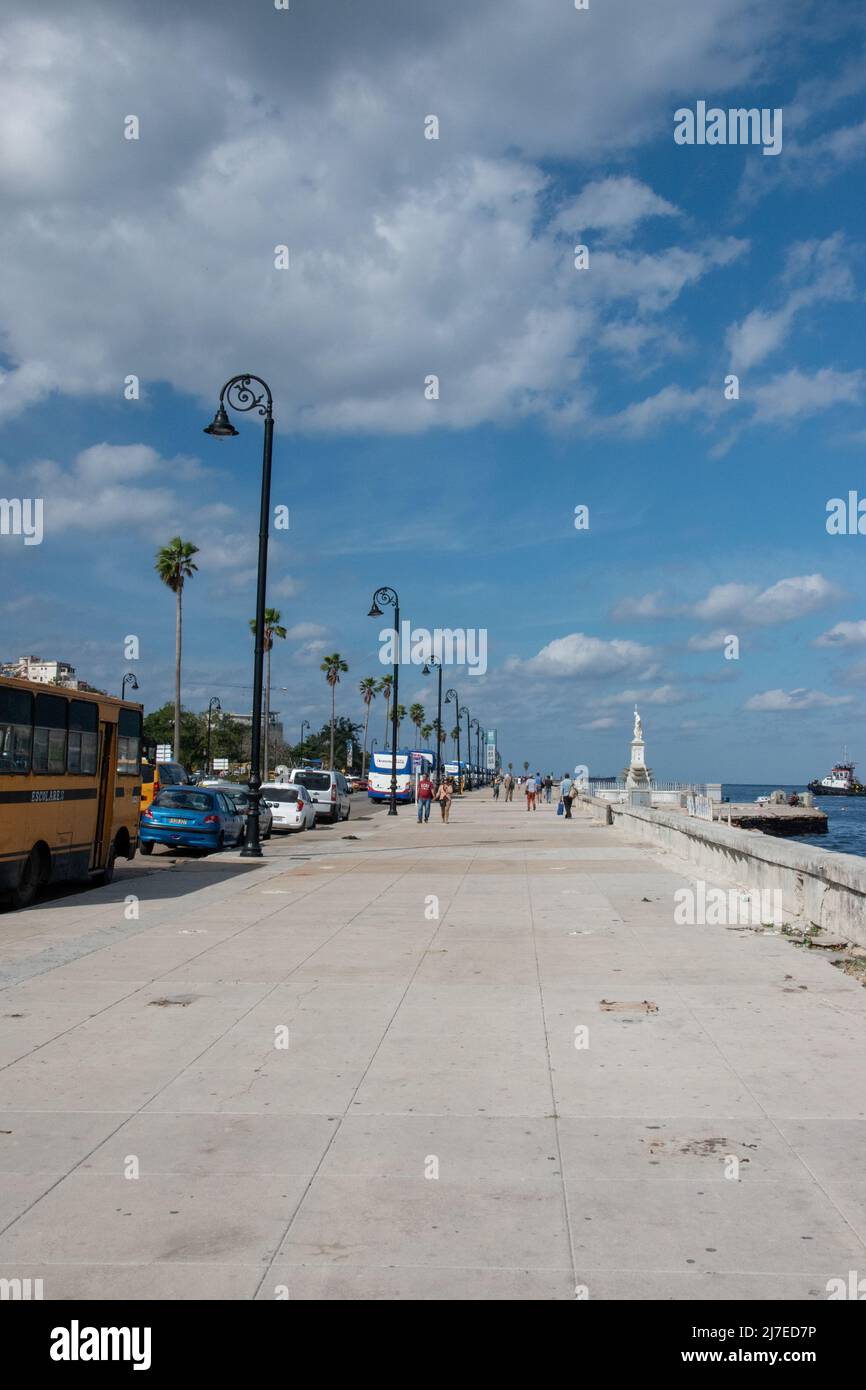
840	782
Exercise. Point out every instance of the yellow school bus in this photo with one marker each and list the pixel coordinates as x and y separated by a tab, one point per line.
70	784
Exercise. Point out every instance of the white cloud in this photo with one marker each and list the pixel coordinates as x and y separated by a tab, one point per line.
708	641
794	395
616	204
843	635
408	257
750	605
647	606
800	699
819	274
301	631
588	657
660	695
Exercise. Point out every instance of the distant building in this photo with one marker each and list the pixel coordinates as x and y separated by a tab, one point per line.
33	668
246	723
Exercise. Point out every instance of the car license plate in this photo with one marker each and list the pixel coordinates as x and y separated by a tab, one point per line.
176	822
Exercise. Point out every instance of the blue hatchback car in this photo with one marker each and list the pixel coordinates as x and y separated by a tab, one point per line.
193	817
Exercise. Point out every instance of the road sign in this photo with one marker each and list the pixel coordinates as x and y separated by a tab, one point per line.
164	753
220	764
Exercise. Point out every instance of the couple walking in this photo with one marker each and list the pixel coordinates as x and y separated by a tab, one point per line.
427	794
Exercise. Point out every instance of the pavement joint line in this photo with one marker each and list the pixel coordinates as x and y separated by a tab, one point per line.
133	1113
423	956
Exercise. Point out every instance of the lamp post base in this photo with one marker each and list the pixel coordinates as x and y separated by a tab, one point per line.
252	852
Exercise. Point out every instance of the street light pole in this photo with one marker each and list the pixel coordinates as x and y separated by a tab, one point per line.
212	704
389	596
130	676
477	727
241	395
305	724
449	696
434	661
468	749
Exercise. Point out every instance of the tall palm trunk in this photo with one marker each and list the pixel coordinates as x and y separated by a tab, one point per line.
333	717
177	650
364	754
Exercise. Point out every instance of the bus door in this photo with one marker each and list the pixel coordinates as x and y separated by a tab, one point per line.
105	795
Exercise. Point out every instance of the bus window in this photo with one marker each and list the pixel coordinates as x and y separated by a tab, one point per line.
129	742
16	730
83	737
49	734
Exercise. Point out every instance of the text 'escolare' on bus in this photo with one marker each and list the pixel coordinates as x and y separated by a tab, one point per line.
410	763
70	783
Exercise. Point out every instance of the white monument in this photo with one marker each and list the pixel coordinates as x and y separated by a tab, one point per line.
637	775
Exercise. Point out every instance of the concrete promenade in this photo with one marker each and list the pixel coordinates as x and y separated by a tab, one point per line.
352	1072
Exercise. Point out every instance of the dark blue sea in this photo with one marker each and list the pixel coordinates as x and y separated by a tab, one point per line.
846	824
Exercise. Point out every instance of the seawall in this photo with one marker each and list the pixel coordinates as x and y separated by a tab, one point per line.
819	887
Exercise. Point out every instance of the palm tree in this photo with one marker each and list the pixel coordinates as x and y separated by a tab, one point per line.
455	734
526	767
332	666
368	689
174	565
401	715
417	715
426	731
385	687
272	630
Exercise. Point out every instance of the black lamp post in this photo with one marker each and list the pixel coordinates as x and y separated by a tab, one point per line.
433	661
477	727
449	696
468	749
241	395
212	704
389	596
305	724
130	676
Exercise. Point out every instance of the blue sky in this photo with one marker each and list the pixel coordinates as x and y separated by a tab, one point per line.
410	257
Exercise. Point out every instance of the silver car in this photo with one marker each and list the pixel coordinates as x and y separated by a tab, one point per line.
240	795
291	806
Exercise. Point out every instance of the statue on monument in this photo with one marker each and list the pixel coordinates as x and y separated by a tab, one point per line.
638	727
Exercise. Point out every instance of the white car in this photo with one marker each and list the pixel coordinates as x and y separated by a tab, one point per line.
329	791
291	807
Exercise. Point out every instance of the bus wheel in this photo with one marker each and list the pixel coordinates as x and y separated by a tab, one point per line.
28	885
105	876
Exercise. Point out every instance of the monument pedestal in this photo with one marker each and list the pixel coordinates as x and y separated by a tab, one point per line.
638	777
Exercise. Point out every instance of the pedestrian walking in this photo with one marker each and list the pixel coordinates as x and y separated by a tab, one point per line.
496	788
548	788
444	796
425	797
531	789
566	794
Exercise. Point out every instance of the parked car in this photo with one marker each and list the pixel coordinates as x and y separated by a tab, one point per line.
240	795
195	817
155	776
329	791
292	807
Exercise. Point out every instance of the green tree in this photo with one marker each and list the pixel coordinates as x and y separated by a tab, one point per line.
174	565
401	715
368	688
384	687
455	735
417	716
332	666
273	630
160	726
426	731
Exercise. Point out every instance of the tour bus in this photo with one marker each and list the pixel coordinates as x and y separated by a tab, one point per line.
70	783
379	774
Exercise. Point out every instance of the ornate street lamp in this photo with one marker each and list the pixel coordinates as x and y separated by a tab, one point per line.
242	395
433	661
130	676
449	696
389	597
212	704
468	749
477	727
